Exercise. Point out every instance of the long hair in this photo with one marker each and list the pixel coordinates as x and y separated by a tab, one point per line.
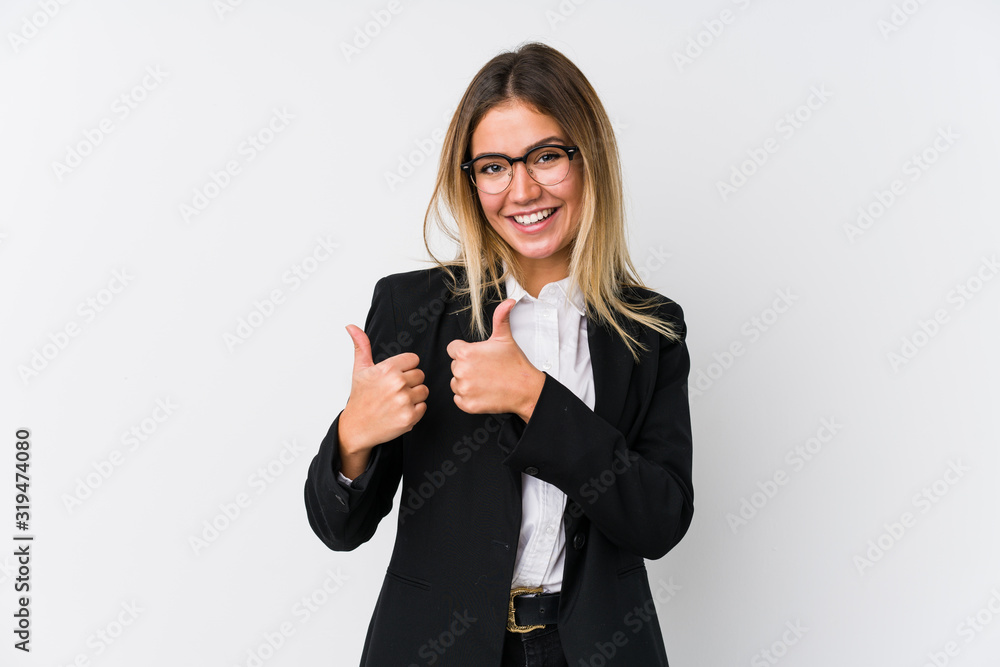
543	78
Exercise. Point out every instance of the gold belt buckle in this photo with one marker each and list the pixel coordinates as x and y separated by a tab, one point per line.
511	624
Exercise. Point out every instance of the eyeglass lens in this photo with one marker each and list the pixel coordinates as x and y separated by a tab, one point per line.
547	166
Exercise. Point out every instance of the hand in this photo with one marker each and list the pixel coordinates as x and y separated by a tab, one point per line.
387	399
494	376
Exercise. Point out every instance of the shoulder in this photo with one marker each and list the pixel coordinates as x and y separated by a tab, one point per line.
419	286
660	305
664	305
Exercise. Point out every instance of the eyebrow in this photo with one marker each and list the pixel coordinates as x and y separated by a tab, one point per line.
541	142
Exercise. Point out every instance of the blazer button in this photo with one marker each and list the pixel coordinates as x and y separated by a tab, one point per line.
579	541
531	470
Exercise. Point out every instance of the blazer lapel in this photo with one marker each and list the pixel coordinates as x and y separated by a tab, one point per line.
612	364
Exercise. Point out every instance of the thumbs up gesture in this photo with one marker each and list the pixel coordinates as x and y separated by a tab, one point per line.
494	376
387	398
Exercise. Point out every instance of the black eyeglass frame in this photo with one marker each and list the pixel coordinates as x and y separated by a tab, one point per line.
467	166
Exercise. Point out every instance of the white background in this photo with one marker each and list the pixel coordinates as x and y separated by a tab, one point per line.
894	76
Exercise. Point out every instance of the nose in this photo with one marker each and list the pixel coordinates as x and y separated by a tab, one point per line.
523	188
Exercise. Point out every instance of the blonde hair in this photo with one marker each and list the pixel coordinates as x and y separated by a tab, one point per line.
543	78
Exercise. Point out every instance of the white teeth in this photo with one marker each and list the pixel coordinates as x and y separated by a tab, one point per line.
534	217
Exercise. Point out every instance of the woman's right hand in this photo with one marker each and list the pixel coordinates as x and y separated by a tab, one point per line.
387	399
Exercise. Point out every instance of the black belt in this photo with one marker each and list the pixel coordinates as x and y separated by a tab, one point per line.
533	611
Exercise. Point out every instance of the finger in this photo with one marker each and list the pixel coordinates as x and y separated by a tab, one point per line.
404	361
362	348
501	319
455	348
413	377
419	394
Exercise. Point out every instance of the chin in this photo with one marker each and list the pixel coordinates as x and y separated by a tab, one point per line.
533	250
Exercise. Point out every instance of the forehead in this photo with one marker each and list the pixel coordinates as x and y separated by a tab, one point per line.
512	127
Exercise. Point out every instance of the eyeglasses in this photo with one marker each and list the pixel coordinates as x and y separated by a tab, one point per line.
546	165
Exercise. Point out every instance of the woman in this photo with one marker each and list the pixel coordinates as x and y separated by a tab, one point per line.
543	459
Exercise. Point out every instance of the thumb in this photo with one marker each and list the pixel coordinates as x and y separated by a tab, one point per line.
501	319
362	348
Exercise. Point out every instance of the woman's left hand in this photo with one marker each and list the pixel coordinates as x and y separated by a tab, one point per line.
494	376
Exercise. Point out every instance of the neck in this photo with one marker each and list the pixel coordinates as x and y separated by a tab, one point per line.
540	272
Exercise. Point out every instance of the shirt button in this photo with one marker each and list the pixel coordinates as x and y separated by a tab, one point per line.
579	541
531	470
546	366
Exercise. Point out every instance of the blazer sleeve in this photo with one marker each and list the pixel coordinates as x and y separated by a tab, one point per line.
345	516
638	492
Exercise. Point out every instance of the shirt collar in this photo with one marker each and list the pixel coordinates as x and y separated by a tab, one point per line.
567	291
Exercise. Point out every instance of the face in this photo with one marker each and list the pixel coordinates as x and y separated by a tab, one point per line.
544	247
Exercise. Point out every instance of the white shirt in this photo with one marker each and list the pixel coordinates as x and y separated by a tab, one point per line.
552	332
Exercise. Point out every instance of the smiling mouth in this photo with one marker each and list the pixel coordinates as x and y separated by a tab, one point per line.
534	218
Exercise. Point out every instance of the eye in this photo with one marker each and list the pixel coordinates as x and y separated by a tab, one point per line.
548	156
490	168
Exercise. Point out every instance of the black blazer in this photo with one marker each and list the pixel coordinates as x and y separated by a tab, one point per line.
625	467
